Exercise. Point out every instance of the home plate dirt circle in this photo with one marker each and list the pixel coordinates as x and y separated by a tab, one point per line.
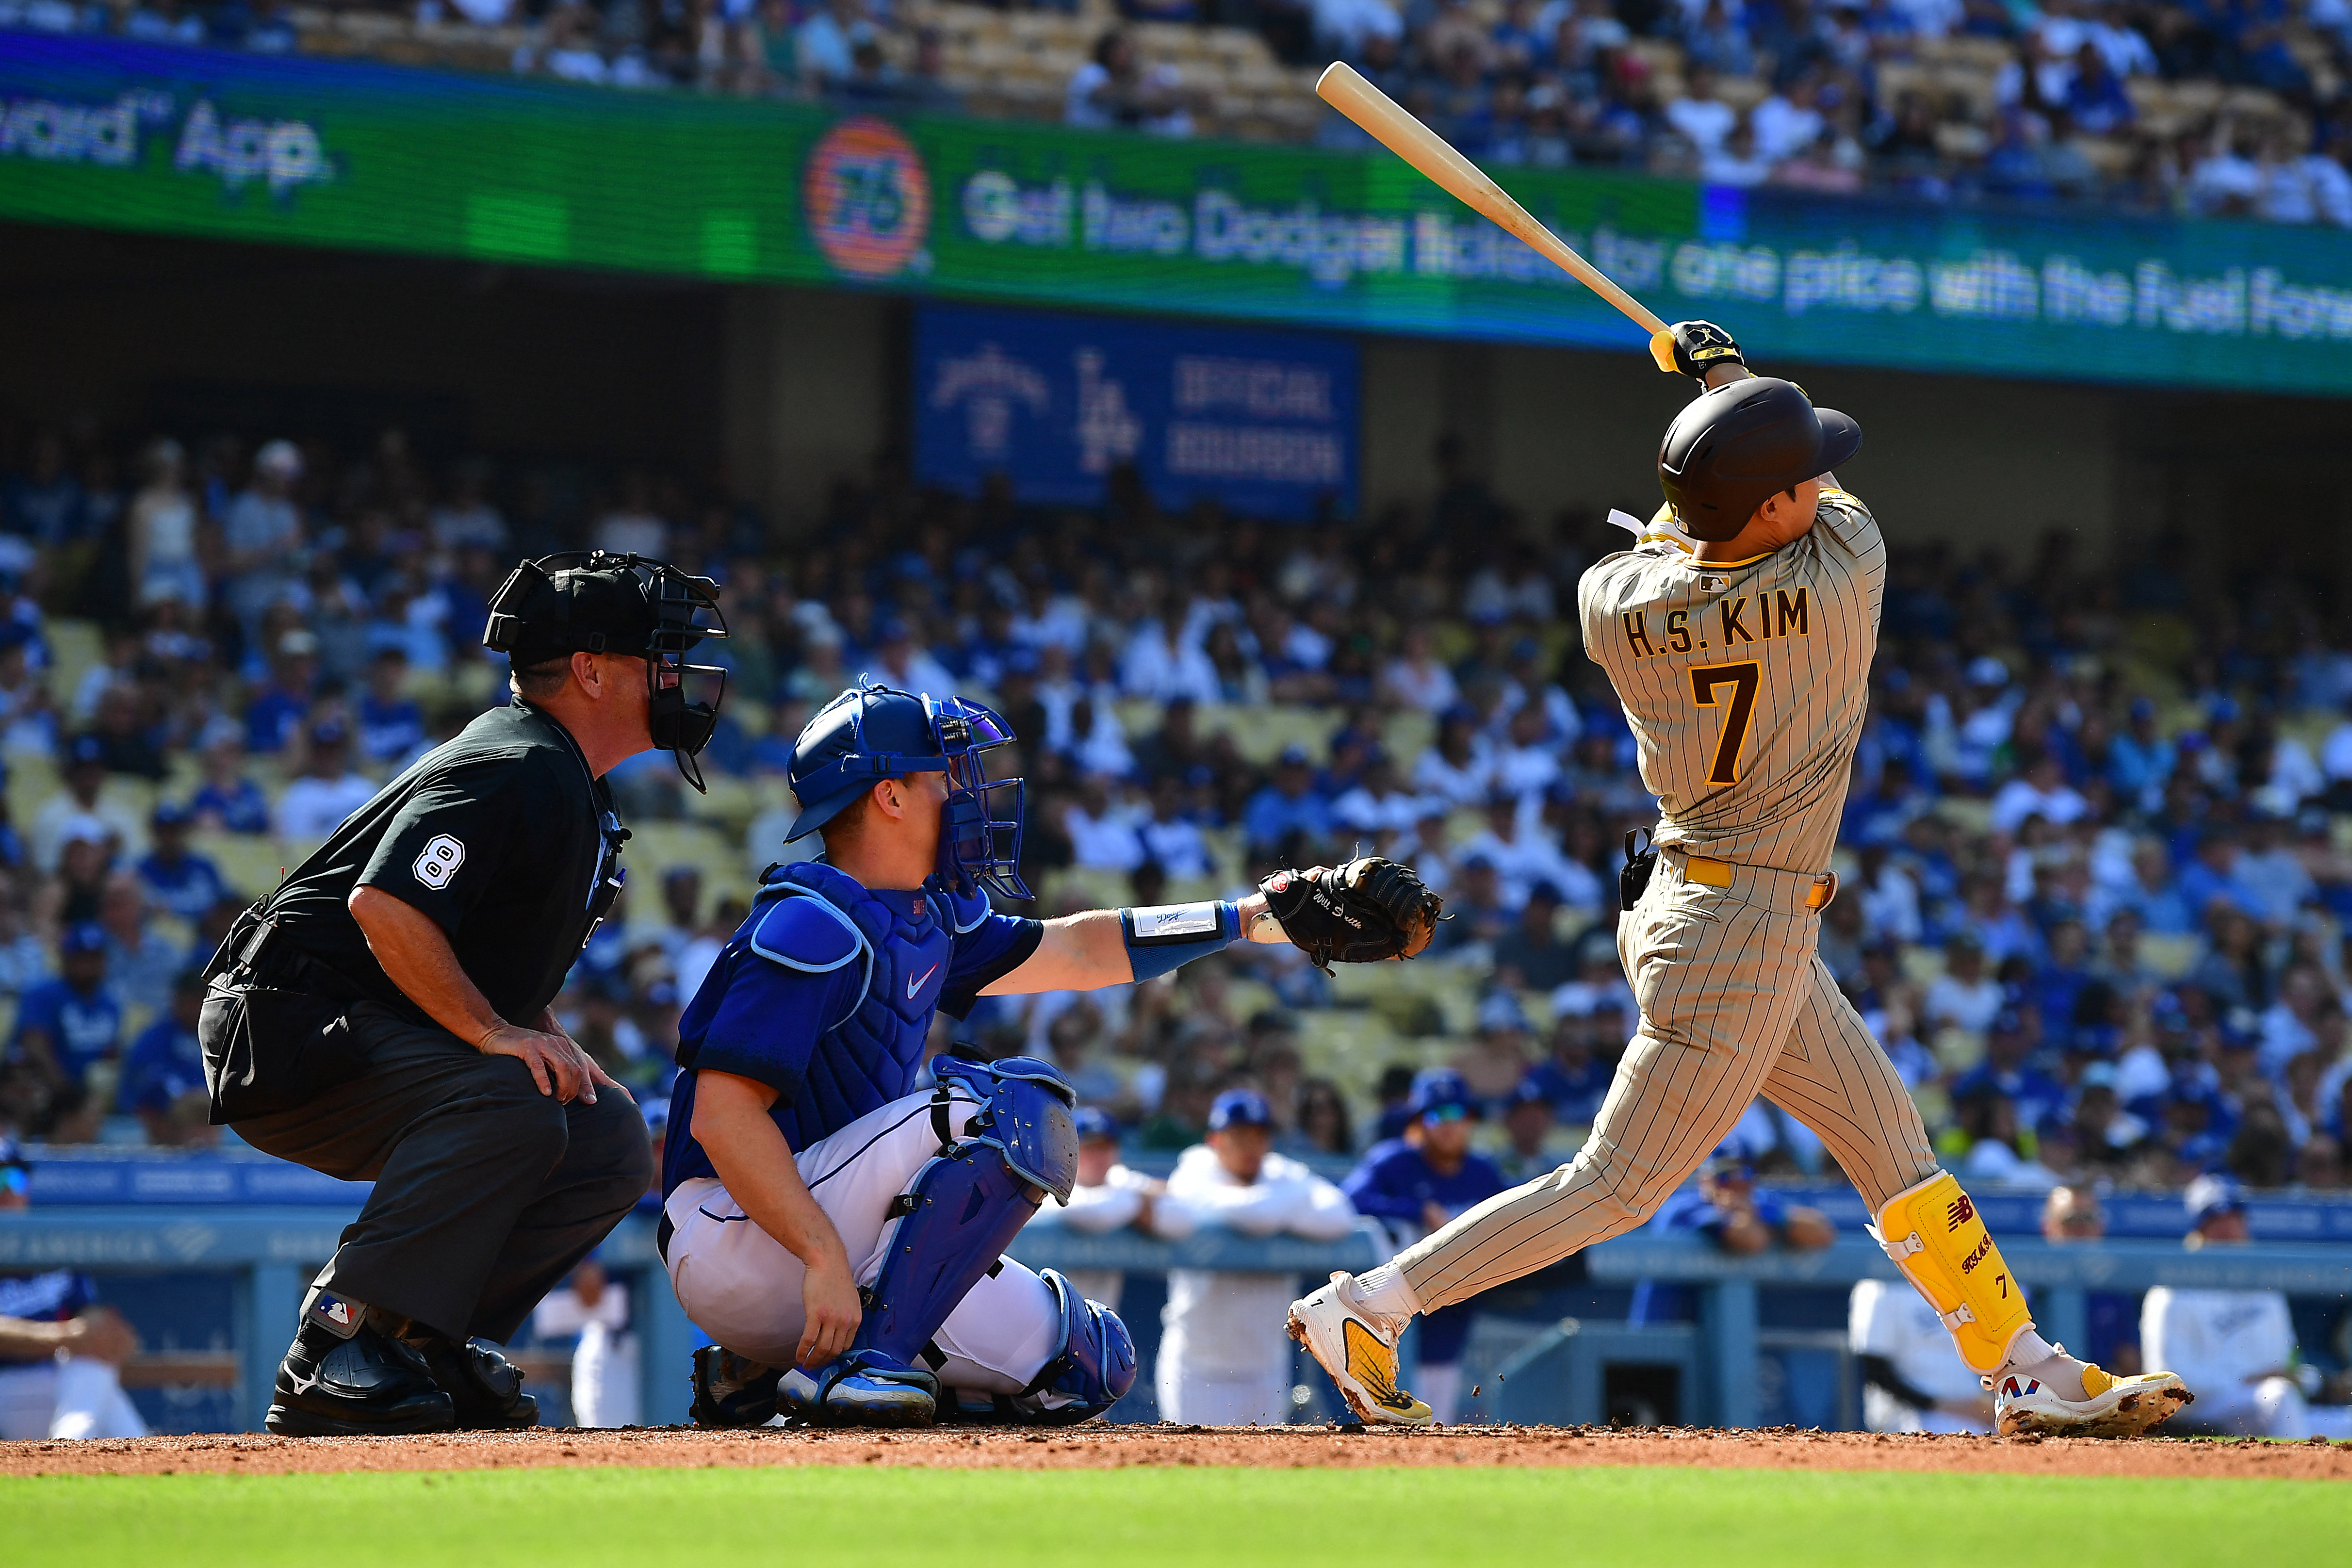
1107	1447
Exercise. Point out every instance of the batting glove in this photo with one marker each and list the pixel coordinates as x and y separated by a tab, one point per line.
1701	345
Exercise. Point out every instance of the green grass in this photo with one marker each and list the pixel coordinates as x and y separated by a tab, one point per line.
1127	1519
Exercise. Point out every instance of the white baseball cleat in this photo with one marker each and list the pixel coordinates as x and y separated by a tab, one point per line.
1359	1351
2114	1406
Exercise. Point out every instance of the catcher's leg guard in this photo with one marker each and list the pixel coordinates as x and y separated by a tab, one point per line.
1092	1367
954	1221
1934	1234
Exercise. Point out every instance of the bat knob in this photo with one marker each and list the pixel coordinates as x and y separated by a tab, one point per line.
1661	349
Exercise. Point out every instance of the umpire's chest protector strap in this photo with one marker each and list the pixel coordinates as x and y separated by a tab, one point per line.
1026	1114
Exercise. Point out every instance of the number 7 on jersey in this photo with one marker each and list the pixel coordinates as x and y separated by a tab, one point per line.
1706	680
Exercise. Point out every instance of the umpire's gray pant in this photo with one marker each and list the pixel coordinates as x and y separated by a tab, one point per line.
487	1193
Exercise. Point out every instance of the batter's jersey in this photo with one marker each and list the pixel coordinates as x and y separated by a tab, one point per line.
1746	682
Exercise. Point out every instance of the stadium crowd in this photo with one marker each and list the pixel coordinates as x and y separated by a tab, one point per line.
2095	881
2206	107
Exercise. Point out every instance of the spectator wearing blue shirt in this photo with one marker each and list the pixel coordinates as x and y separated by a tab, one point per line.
1574	1080
2007	1071
392	726
1723	1205
65	1024
175	878
274	718
2213	874
1286	807
2140	760
164	1071
2058	985
1418	1183
227	801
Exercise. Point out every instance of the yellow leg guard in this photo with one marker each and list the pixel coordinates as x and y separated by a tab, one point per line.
1933	1233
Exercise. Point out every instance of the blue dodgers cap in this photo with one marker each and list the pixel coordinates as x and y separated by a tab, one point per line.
1240	1108
2212	1194
82	936
1437	1090
171	814
1092	1123
1731	1161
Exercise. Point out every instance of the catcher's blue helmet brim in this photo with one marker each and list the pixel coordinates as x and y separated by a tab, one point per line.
812	817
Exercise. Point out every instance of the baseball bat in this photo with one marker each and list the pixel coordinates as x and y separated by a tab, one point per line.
1344	88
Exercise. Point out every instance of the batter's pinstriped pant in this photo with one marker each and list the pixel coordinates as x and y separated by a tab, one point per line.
1735	1002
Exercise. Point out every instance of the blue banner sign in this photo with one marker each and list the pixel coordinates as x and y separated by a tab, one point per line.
1264	422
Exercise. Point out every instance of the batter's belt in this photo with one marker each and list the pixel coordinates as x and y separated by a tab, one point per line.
1761	885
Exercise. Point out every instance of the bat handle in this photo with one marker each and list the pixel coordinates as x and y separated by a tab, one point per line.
1661	349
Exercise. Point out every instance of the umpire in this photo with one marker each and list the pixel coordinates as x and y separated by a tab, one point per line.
384	1015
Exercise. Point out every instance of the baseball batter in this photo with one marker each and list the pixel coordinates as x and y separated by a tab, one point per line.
1739	633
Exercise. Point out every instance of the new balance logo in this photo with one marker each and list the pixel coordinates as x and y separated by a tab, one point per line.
1959	1213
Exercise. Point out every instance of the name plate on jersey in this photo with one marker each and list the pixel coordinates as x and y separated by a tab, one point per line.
1171	922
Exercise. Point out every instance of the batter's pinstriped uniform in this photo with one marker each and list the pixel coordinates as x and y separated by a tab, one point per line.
1745	685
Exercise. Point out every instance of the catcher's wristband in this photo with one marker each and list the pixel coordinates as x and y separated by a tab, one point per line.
1165	937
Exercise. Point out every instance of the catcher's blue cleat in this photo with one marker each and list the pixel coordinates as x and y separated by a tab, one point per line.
862	1389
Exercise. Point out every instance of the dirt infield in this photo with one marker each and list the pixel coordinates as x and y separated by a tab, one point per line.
1107	1447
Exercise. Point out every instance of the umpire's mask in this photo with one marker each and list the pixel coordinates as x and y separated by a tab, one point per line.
587	601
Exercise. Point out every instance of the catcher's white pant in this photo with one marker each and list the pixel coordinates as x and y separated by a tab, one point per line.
1735	1002
742	1287
72	1396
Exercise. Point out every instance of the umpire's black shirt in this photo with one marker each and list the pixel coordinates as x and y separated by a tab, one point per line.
501	836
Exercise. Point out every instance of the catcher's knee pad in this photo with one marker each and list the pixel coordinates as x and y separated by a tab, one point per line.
1091	1368
1935	1236
1026	1115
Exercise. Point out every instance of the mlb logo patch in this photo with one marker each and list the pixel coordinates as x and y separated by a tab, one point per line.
336	1313
1713	582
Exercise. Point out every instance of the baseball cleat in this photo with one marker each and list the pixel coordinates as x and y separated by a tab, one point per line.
343	1377
484	1387
862	1390
2114	1406
730	1390
1360	1352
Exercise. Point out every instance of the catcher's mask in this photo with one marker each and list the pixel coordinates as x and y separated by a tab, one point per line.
873	732
588	601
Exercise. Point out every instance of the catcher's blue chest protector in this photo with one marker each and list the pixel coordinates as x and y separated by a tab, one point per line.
816	920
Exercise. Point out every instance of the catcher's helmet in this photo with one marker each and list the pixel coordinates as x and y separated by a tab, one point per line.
1731	449
873	732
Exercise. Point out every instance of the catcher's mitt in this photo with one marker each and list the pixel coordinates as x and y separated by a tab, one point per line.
1362	912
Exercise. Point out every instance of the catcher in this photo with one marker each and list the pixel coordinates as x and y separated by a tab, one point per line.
836	1229
1739	633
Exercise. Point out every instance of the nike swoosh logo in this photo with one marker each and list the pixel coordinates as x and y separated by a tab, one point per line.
920	981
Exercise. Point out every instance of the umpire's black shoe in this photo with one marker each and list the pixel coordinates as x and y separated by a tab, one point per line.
344	1377
486	1387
